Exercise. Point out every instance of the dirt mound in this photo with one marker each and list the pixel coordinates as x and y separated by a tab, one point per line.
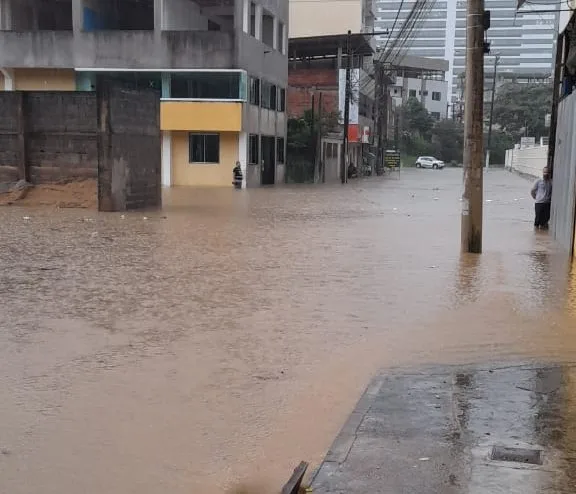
82	194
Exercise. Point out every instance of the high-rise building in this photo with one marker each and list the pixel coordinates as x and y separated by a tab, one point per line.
523	39
220	68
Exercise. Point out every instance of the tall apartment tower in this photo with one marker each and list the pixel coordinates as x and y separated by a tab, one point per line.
220	66
523	39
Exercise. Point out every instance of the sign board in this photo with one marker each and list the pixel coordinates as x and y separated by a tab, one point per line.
392	158
354	94
527	142
366	135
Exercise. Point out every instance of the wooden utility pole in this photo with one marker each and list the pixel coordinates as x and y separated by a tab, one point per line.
496	60
473	129
318	160
347	91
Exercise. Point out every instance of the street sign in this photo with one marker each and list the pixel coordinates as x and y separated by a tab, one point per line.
392	158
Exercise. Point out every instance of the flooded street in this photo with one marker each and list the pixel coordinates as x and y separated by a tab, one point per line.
227	337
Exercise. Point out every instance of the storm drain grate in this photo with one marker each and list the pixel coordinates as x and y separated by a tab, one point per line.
518	455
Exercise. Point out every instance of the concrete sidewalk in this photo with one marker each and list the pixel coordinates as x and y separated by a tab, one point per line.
459	430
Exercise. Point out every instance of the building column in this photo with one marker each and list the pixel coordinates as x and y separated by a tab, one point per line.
245	5
158	15
5	15
8	75
259	21
275	35
243	155
166	158
77	15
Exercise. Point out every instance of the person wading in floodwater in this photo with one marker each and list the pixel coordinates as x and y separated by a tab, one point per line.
542	193
237	176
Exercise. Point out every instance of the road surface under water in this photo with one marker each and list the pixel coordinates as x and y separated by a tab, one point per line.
227	337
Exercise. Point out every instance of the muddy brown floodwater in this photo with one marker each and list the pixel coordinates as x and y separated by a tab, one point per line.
228	337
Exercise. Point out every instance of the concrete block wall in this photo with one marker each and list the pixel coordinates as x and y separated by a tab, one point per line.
527	161
112	136
9	150
129	141
47	136
60	136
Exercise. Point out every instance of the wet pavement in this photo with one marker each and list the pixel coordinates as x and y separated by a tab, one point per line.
229	336
463	430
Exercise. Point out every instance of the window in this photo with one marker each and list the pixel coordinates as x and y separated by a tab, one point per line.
436	96
254	91
253	149
204	148
412	93
213	26
252	19
280	150
273	97
435	115
268	29
281	99
424	93
205	85
280	37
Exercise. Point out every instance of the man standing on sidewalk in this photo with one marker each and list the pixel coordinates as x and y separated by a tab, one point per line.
542	193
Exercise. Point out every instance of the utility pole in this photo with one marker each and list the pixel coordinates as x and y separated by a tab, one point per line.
473	129
318	162
496	60
347	91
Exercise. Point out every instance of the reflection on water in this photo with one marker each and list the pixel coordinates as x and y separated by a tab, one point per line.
228	336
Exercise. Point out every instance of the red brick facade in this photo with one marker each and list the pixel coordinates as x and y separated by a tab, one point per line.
303	83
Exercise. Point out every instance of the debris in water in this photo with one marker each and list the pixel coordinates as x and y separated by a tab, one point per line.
145	218
424	459
26	218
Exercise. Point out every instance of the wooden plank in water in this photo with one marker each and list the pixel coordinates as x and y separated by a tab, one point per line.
293	485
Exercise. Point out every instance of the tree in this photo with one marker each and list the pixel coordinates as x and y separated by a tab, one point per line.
448	140
302	140
520	109
302	131
416	119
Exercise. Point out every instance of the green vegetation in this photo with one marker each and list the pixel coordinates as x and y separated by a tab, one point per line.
519	110
301	144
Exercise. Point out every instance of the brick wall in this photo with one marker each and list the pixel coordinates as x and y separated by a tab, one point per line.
304	82
300	99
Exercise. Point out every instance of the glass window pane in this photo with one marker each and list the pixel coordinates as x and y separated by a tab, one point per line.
196	148
212	154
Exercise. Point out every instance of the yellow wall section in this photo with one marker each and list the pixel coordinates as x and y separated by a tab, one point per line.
44	80
1	82
185	173
201	116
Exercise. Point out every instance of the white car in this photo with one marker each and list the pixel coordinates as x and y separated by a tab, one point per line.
429	162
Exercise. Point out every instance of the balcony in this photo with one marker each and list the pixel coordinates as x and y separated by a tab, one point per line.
117	49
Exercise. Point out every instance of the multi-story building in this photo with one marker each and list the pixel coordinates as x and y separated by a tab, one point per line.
320	28
524	41
330	17
316	74
423	79
220	66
